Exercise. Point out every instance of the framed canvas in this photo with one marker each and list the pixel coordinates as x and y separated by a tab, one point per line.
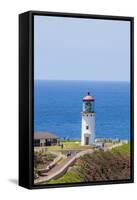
76	118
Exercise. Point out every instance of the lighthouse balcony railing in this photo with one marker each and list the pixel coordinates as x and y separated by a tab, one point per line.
88	112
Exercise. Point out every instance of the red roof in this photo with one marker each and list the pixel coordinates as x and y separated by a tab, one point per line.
88	98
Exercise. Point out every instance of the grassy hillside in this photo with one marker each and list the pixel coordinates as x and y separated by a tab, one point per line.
99	166
124	149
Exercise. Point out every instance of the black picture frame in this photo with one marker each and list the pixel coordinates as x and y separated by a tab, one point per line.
26	96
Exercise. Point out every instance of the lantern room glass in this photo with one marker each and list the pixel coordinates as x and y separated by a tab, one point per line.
88	106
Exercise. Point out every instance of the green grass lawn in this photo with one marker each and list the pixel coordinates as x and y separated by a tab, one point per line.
68	145
69	177
124	149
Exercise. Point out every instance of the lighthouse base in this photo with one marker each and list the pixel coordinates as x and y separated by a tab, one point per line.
87	140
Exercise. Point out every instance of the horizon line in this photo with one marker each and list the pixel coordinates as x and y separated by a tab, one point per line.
81	80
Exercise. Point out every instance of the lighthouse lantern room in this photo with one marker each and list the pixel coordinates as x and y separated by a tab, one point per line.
88	121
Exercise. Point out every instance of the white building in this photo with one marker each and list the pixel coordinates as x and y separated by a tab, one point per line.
88	121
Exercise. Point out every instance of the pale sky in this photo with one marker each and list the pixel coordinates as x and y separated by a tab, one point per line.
81	49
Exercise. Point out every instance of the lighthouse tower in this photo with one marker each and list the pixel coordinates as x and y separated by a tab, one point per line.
88	121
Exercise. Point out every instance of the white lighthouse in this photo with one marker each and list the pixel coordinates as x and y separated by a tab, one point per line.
88	121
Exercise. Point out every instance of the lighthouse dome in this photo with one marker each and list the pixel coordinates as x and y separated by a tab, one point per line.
88	98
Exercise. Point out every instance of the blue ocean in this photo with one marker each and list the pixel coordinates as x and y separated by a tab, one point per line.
58	107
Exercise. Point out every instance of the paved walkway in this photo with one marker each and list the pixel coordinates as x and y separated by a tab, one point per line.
61	168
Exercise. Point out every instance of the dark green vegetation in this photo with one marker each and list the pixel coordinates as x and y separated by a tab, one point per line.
99	166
